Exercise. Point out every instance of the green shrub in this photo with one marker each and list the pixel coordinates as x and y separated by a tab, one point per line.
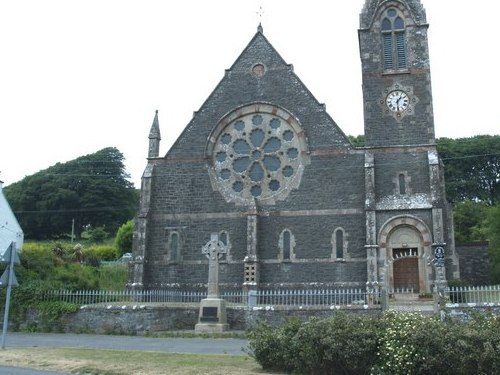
342	344
95	235
409	343
271	346
397	343
101	252
124	236
38	259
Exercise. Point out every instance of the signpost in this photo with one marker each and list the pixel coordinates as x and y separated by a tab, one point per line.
9	280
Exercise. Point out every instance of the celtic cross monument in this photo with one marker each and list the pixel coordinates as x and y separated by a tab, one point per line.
212	316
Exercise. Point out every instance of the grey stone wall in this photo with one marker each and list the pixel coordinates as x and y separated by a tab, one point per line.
147	319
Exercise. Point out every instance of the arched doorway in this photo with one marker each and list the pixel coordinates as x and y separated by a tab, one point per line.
405	244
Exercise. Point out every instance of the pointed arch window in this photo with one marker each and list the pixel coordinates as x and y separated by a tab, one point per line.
174	246
393	38
286	245
338	244
224	237
402	184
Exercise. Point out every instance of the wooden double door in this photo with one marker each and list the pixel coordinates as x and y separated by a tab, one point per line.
405	270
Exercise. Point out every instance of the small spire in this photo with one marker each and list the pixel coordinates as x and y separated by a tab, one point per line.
155	128
260	29
154	138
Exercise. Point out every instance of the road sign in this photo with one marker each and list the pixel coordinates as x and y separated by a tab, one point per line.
4	280
7	255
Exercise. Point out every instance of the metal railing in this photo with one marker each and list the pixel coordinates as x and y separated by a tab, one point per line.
476	294
309	297
292	298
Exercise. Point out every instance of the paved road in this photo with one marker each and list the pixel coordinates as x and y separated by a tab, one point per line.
170	345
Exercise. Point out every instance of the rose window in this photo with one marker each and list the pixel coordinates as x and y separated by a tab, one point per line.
259	153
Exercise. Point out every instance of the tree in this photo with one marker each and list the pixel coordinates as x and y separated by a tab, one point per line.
468	218
90	190
357	141
472	168
492	229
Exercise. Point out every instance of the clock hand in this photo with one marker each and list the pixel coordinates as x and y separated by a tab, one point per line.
397	103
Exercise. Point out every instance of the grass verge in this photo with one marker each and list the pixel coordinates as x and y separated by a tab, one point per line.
121	362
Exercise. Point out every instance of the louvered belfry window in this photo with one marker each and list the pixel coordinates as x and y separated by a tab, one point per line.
393	38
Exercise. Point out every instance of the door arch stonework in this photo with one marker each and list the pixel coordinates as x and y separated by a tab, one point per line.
405	245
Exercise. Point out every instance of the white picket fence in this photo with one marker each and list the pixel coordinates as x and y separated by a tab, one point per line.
293	298
298	298
87	297
476	294
312	297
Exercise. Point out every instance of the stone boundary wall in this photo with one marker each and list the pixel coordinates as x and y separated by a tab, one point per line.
147	319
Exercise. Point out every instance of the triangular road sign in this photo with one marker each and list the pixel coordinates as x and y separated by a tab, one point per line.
4	280
6	256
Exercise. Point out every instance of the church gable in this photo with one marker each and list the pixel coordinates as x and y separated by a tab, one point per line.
260	75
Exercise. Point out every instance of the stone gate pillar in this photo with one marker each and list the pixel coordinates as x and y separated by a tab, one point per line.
251	272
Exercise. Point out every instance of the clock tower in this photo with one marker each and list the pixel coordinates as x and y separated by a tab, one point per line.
397	93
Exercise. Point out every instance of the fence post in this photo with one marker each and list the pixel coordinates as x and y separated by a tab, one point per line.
252	299
384	298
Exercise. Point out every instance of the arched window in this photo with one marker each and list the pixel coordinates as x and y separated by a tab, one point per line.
393	37
286	245
174	246
224	238
339	243
402	184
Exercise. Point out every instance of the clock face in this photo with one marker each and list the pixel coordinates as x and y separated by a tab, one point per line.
397	101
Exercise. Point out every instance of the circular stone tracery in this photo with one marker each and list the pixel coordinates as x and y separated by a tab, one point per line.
257	153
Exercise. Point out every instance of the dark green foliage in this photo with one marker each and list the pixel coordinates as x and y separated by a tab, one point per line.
100	252
342	344
273	347
397	343
124	236
96	235
472	168
357	141
468	219
52	266
492	230
90	190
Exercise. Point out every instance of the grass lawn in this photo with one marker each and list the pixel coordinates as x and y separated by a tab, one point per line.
120	362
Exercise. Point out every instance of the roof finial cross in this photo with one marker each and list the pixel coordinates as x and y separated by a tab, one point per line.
260	12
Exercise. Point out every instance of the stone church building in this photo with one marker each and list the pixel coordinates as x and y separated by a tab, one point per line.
296	205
